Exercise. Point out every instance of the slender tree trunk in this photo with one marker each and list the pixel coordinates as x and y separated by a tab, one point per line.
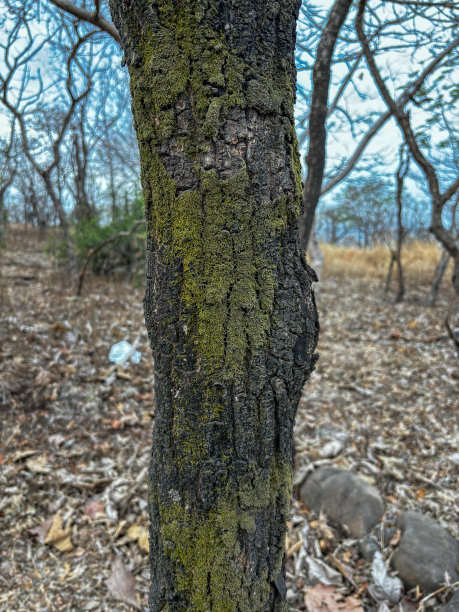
83	210
393	257
228	305
400	179
4	186
438	276
318	115
113	192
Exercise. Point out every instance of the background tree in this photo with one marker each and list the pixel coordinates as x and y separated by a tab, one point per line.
7	175
401	32
70	107
396	253
439	196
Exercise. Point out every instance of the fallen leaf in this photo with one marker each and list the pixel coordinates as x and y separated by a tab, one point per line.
344	569
41	530
139	533
395	539
294	548
320	598
23	453
60	327
320	572
38	465
95	509
383	587
58	536
121	584
57	439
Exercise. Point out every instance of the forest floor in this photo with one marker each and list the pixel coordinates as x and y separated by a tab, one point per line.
76	431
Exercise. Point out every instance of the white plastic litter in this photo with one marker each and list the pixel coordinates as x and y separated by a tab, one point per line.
122	352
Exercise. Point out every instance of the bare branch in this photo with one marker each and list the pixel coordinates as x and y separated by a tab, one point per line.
407	94
95	18
414	3
403	119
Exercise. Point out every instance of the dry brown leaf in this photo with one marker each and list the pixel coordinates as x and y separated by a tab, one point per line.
395	539
139	533
121	584
58	536
320	598
294	548
95	509
60	327
41	530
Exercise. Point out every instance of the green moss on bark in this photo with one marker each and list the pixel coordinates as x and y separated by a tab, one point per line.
226	276
213	571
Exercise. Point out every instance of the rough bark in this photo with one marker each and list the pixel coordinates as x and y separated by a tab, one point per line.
229	307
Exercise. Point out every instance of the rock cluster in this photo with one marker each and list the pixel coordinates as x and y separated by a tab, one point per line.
426	554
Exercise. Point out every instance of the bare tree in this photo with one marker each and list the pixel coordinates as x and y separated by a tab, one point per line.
399	111
394	31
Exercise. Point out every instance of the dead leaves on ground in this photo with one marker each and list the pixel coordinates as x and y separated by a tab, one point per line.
320	598
52	532
121	584
75	435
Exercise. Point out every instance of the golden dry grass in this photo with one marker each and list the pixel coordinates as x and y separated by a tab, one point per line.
419	260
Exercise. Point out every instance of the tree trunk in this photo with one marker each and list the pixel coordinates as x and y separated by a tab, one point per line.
402	171
318	114
229	307
393	257
439	273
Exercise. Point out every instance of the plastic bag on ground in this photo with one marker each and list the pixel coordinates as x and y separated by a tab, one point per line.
122	352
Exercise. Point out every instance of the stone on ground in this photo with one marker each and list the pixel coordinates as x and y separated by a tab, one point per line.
344	497
452	605
425	552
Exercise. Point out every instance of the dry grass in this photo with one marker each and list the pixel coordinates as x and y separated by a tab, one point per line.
419	261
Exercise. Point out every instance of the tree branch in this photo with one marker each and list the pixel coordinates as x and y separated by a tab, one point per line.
404	97
397	108
92	17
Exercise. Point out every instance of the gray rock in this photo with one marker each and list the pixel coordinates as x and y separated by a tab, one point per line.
425	552
368	547
344	497
452	605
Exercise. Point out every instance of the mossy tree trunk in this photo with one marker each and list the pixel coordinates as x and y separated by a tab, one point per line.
228	305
